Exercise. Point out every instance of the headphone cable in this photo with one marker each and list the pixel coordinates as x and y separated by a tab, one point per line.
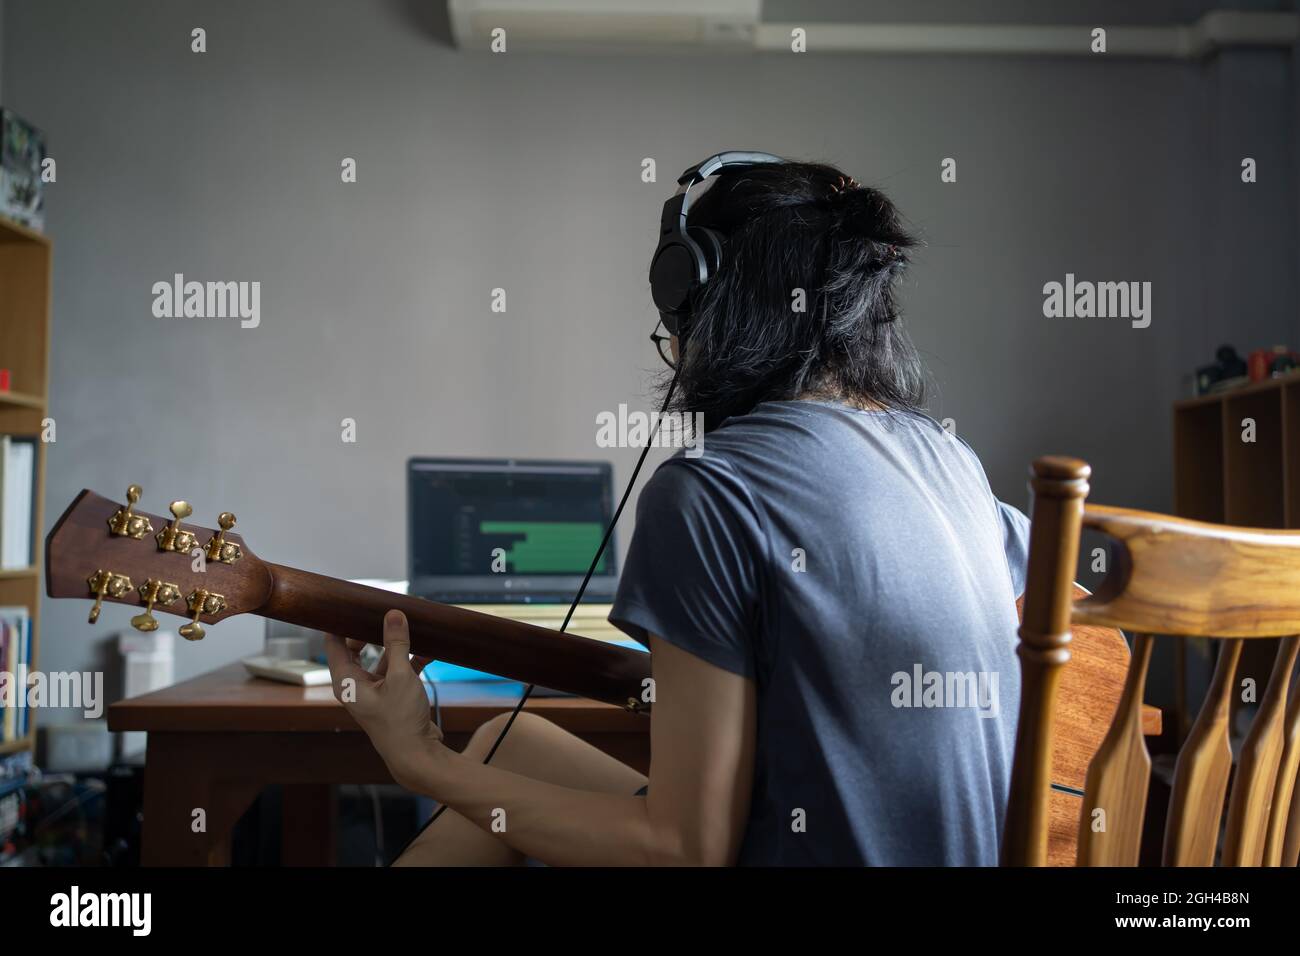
577	599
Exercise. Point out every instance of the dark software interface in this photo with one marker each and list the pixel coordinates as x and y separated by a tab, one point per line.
506	527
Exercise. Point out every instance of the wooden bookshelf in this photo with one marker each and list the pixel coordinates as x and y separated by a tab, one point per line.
25	270
1220	478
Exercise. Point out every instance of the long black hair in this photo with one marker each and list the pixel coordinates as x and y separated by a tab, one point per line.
798	234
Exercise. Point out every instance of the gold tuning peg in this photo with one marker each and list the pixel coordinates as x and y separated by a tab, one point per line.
154	592
126	522
172	538
106	583
201	602
219	549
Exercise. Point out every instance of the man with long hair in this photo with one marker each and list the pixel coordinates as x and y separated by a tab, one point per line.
827	593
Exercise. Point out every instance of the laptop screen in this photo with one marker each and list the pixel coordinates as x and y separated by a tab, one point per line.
507	530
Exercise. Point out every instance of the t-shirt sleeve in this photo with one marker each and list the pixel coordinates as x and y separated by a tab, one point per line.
691	575
1015	542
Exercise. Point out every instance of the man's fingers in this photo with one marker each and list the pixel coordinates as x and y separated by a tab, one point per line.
397	639
339	653
342	662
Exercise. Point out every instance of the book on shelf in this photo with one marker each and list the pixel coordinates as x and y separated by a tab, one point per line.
15	660
17	501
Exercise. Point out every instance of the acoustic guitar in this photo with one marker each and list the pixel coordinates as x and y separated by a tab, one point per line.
104	551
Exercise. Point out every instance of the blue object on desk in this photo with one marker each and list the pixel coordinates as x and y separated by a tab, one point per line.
443	671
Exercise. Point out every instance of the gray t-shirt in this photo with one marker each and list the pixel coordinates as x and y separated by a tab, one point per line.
856	565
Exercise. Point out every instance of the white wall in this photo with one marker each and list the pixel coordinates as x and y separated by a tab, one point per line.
519	171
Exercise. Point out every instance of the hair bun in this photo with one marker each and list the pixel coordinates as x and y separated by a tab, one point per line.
865	213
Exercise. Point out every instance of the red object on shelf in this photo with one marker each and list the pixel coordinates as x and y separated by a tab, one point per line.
4	379
1264	363
1259	362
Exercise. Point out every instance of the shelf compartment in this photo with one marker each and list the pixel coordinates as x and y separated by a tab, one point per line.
1253	483
1198	462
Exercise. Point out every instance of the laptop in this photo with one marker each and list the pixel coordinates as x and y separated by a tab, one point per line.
513	537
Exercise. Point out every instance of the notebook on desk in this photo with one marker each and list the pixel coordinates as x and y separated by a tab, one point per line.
589	620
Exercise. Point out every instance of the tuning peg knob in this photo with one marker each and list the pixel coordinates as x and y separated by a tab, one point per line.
218	548
172	538
153	592
200	602
126	522
106	583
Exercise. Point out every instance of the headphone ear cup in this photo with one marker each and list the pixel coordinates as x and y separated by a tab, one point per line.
674	273
710	243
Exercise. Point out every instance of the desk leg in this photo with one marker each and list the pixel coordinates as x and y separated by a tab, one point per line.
309	825
177	782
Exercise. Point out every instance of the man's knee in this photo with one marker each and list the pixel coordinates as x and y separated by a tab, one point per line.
488	732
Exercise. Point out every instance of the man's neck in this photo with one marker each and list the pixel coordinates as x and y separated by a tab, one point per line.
821	395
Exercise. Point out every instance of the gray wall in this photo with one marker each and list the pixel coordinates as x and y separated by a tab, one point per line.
520	171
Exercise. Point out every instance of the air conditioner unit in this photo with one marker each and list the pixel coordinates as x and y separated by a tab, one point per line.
604	25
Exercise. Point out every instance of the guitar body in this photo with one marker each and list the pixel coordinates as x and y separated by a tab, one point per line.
85	559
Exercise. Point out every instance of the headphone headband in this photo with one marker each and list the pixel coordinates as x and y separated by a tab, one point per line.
726	160
683	263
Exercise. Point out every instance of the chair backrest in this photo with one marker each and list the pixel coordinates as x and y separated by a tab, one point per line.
1173	577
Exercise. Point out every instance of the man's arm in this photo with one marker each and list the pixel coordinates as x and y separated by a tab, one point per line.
702	744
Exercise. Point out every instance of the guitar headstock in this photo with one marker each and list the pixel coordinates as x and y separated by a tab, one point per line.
102	550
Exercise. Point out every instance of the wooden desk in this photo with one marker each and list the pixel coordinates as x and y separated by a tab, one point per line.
216	741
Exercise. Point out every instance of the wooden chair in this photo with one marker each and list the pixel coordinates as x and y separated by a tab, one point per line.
1174	577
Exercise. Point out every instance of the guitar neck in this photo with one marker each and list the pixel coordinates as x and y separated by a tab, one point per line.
512	649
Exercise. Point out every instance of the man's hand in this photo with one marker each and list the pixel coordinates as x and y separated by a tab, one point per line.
390	704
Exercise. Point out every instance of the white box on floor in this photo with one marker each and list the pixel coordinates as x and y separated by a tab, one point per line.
147	665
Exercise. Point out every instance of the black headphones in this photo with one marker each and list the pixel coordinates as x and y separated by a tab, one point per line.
687	256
